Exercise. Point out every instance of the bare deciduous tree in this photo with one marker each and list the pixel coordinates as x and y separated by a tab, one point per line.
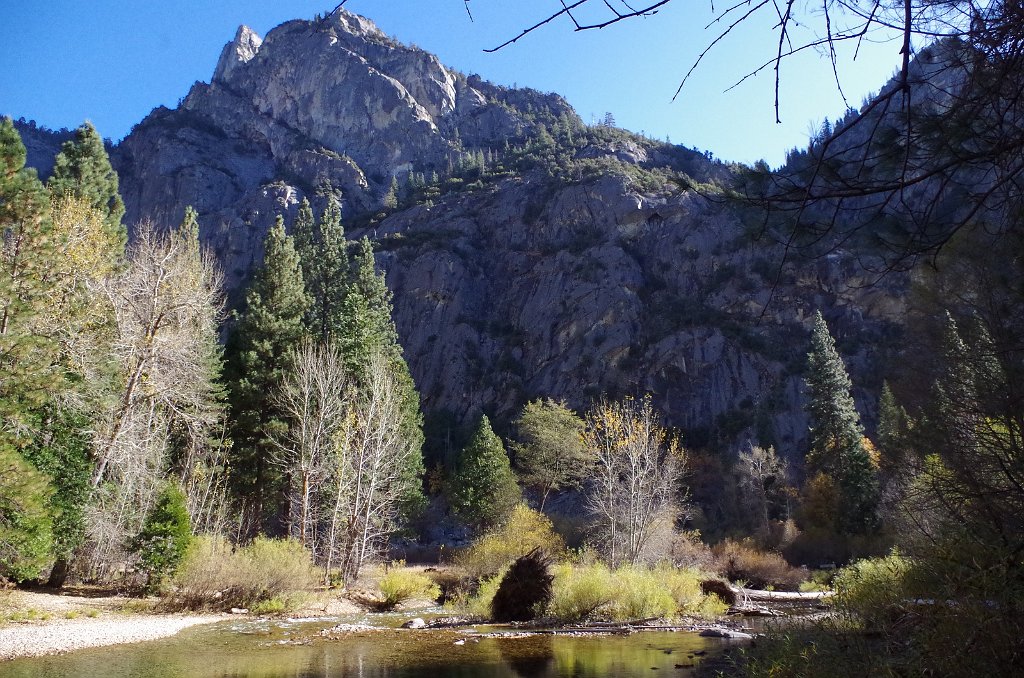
167	304
346	455
371	471
315	396
761	481
635	490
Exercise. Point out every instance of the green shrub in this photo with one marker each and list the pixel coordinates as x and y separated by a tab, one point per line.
874	590
523	531
165	536
478	603
215	575
579	592
821	580
270	606
640	594
586	591
684	585
874	594
277	567
400	584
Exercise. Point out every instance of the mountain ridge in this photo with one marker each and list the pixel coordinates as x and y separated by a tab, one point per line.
549	258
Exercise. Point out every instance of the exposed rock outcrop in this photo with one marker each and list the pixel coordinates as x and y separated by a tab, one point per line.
606	279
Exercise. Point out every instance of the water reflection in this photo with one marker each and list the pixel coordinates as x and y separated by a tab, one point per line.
528	660
295	650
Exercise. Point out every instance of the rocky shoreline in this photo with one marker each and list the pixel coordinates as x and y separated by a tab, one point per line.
57	636
37	623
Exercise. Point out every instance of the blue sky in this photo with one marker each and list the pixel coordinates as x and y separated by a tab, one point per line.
112	61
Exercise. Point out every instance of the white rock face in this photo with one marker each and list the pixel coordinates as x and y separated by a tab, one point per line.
239	51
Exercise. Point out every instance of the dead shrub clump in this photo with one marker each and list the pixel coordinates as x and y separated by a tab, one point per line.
524	591
742	562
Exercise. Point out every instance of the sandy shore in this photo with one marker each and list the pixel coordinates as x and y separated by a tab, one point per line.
34	624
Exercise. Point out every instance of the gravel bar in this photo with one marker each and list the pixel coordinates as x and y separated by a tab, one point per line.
64	635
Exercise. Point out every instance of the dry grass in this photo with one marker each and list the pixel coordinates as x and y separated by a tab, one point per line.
592	591
274	574
401	584
743	562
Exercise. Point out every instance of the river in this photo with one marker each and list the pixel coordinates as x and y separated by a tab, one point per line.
296	649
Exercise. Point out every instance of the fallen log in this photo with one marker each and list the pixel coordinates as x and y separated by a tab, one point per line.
754	611
779	596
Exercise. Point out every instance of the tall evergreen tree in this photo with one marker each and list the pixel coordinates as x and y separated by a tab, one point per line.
304	238
272	323
55	335
27	354
391	196
323	251
82	168
366	325
893	430
483	490
837	438
366	329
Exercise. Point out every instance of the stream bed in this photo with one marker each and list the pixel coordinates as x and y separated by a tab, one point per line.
282	648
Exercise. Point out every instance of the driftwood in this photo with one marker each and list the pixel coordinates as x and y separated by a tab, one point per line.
780	596
754	611
634	622
726	633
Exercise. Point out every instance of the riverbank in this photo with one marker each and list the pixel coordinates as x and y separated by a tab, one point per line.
34	624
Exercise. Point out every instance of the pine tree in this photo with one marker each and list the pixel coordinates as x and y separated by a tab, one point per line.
82	168
366	324
271	324
27	354
483	489
837	447
56	367
367	328
304	238
893	430
391	197
165	535
323	252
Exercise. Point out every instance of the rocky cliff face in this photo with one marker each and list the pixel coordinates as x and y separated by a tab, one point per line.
329	105
608	289
574	270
